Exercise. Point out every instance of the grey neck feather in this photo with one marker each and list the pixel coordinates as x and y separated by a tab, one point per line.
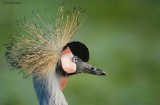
48	90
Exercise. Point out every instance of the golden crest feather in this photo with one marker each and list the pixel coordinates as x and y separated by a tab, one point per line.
38	47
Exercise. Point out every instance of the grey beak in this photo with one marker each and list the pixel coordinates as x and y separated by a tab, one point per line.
87	68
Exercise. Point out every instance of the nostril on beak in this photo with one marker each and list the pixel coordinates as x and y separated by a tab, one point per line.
92	68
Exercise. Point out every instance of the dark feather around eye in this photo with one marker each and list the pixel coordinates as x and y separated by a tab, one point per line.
78	49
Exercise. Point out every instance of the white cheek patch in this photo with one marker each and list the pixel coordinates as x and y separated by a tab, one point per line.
67	64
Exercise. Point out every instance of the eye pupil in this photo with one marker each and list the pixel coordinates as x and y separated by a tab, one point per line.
75	59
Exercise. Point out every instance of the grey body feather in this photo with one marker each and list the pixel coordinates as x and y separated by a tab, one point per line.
48	90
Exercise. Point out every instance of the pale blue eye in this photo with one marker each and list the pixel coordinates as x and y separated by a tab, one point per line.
75	59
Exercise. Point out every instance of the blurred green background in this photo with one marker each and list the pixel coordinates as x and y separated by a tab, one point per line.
124	40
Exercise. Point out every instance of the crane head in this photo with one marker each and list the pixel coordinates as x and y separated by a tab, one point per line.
73	60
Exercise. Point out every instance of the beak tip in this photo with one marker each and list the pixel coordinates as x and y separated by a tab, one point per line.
104	74
101	72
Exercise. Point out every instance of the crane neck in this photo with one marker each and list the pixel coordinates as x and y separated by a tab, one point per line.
48	90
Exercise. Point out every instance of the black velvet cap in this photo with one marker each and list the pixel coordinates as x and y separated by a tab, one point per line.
78	49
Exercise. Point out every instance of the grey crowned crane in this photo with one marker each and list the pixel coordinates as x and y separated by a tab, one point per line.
43	51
